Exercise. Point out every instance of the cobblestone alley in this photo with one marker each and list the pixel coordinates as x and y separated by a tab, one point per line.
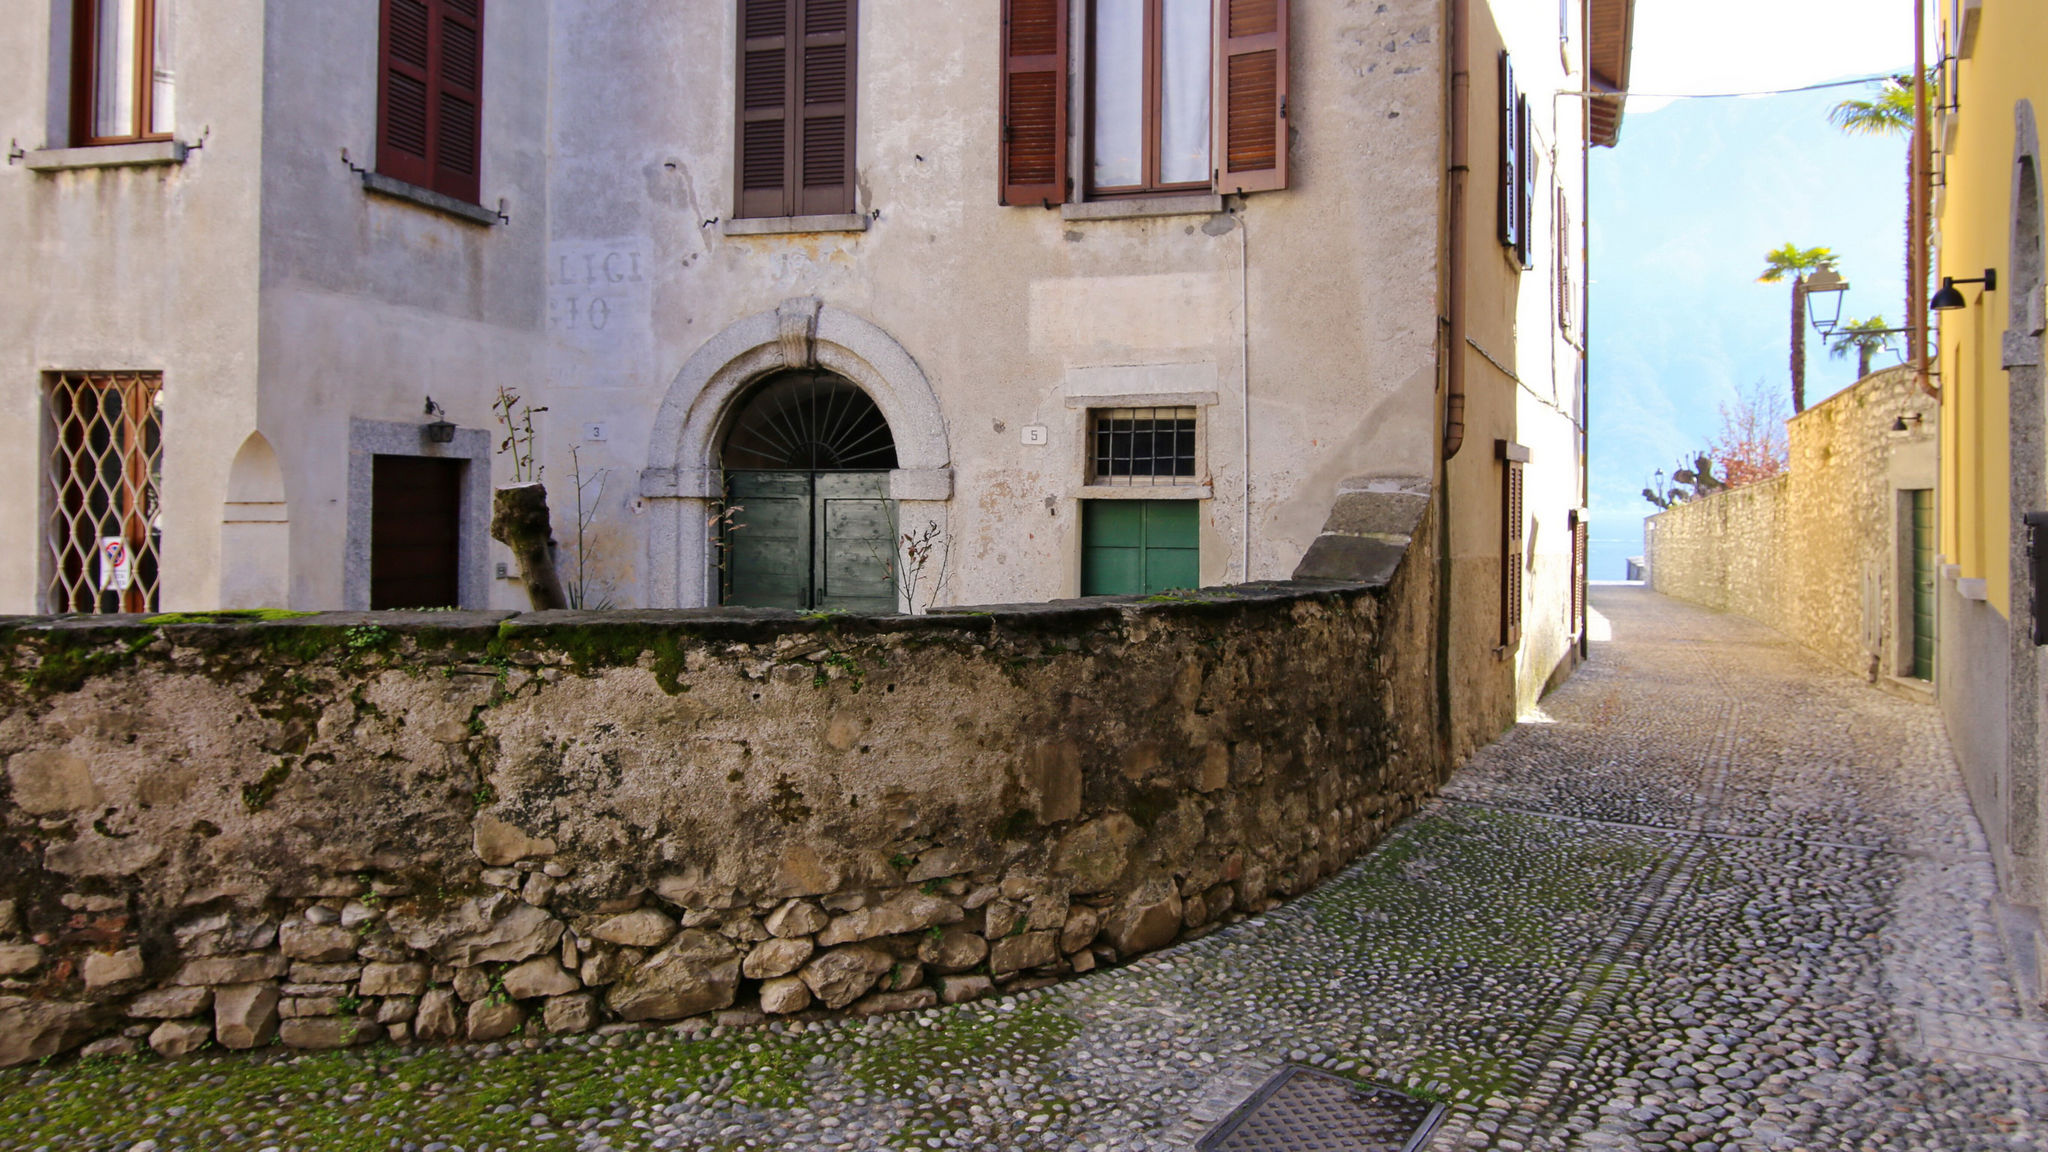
1718	897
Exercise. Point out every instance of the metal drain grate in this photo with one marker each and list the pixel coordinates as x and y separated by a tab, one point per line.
1303	1110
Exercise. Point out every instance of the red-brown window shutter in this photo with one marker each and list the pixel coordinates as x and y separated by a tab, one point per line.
766	74
794	152
1511	558
430	95
1034	102
826	69
1251	87
459	96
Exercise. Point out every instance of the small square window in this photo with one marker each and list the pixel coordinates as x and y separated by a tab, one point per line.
1142	446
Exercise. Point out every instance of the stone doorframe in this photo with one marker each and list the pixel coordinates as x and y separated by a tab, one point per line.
683	480
2026	318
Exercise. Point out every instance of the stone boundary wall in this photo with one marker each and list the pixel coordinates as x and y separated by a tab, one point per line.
1814	553
438	826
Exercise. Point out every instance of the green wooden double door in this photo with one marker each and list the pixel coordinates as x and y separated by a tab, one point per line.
1139	547
1921	512
810	541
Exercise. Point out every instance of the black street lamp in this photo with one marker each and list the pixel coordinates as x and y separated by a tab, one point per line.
442	429
1949	300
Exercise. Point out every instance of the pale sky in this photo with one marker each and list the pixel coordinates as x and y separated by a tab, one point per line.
1747	45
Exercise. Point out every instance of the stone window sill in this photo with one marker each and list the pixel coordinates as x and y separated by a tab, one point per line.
1143	207
791	225
1146	492
142	154
383	185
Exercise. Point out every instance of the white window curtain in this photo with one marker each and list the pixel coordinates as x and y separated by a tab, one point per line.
1119	96
114	68
1184	93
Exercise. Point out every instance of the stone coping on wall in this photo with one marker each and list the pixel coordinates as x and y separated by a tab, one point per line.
326	829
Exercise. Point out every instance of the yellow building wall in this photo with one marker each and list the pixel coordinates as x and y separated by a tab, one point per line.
2004	66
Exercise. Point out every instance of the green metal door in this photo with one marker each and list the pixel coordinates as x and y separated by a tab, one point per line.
1139	547
1923	583
810	540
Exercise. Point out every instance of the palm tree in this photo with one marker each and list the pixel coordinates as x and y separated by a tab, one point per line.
1866	337
1890	113
1794	261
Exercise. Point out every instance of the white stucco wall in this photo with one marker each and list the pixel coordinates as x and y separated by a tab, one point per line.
133	269
1012	311
278	296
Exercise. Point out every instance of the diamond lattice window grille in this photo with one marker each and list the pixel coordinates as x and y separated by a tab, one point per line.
103	525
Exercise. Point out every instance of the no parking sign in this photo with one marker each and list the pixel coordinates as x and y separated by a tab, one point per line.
116	569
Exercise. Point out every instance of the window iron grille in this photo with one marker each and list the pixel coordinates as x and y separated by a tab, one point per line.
1142	446
104	534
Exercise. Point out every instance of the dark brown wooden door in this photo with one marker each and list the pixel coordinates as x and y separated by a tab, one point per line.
415	519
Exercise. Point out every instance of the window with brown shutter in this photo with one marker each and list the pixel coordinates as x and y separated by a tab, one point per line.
1525	144
1182	96
1034	102
1511	214
793	153
430	95
1567	290
1512	546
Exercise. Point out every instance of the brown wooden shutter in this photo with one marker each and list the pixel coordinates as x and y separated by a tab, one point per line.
765	162
1580	560
430	95
405	93
825	65
1033	103
1251	95
1510	158
459	99
1511	559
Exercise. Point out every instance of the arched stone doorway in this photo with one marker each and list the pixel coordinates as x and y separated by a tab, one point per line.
808	521
684	482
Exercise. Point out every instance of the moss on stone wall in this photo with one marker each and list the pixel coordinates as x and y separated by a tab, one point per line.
1066	784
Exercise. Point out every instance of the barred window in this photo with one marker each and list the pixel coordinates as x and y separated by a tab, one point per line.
1139	446
103	522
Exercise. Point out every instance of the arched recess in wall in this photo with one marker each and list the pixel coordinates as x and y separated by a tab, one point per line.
683	481
255	531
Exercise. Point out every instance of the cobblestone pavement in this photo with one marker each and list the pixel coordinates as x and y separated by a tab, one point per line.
1716	897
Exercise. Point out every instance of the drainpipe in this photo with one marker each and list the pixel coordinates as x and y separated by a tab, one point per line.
1461	108
1916	292
1460	41
1244	351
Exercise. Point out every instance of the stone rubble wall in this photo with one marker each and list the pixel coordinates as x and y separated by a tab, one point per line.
442	826
1812	553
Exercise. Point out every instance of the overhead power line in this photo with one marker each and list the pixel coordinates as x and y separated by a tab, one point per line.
1872	79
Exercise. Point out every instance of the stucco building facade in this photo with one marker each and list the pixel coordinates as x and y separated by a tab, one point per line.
1994	475
1088	298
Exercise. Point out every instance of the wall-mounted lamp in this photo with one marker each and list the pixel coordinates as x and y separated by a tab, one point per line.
1900	426
442	429
1823	288
1948	299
